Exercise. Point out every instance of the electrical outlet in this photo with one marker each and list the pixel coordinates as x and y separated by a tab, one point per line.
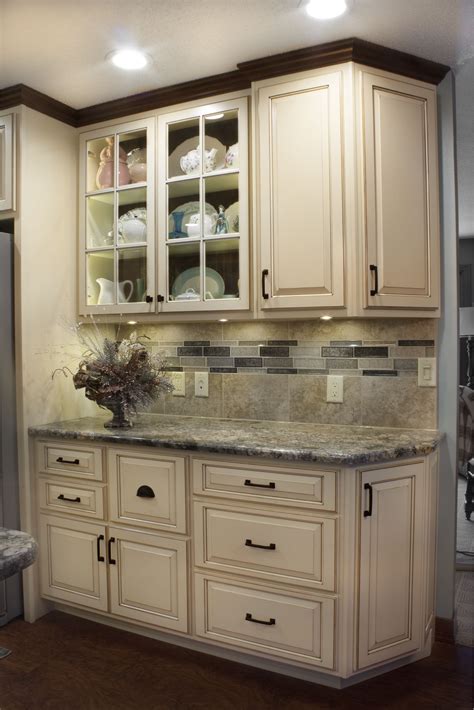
335	389
179	382
427	372
201	384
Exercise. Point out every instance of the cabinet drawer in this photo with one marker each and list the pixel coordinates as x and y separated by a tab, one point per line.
64	496
281	486
284	549
266	621
147	490
70	460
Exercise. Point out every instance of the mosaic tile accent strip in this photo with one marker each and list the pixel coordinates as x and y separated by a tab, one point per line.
297	357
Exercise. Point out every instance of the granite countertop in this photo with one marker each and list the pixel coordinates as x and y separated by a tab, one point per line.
17	551
284	441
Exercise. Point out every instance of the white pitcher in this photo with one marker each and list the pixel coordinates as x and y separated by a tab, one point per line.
106	293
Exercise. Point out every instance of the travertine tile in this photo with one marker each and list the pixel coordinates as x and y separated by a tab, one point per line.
197	406
256	396
407	351
316	363
254	330
375	363
307	395
397	402
166	332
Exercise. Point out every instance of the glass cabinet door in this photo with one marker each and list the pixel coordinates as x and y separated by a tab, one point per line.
203	208
117	219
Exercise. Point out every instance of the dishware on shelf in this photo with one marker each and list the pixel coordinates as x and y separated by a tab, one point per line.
105	173
92	168
174	167
189	209
106	293
222	226
140	290
136	162
232	215
193	227
191	279
232	156
131	226
188	295
177	232
191	162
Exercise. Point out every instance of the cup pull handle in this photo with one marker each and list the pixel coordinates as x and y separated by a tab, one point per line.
145	492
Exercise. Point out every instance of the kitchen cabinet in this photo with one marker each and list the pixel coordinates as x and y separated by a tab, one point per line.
203	208
400	201
7	163
117	219
330	568
300	203
391	546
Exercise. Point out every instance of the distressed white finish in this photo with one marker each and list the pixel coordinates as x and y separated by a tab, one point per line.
7	163
76	461
62	497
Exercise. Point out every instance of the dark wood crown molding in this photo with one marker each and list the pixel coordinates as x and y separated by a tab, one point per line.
23	95
345	50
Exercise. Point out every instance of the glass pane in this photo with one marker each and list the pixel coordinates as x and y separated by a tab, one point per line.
132	216
183	209
132	162
100	220
222	193
100	164
184	276
221	132
184	155
100	278
222	269
132	275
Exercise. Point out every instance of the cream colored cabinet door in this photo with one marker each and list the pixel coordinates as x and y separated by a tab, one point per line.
400	192
391	554
72	562
7	163
300	203
147	490
148	578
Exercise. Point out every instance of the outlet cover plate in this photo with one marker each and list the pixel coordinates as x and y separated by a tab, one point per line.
335	388
427	372
201	384
178	379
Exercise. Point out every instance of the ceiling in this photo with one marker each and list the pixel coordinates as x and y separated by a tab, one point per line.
58	46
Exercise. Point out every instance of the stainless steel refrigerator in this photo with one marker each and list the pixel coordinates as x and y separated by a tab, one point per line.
10	589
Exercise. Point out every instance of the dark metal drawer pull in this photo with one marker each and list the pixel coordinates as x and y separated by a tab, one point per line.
271	546
264	292
111	541
61	496
248	482
100	558
368	487
145	492
270	622
74	462
374	291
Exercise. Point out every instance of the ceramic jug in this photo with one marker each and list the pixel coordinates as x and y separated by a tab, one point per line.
106	293
105	173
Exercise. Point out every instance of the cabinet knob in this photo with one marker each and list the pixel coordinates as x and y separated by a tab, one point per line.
149	299
160	298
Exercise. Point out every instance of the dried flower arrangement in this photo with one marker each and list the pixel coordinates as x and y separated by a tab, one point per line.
121	376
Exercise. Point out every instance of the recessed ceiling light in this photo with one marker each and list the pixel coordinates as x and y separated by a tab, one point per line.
326	9
326	317
129	59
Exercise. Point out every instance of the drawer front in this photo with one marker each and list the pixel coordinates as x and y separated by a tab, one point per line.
148	582
147	490
66	497
70	460
284	486
265	621
295	551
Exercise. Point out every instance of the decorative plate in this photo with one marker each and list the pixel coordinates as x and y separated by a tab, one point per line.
232	214
189	209
174	168
191	279
131	226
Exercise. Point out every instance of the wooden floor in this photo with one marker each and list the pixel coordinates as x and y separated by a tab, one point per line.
66	663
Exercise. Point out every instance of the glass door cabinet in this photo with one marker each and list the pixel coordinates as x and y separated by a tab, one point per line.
203	229
117	211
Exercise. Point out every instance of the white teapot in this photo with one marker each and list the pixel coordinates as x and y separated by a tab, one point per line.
232	156
106	293
191	162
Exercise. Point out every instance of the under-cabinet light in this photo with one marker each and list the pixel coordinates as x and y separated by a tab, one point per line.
326	9
223	320
132	322
215	117
128	59
326	317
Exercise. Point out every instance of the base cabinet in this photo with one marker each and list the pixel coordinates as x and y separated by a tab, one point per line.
342	589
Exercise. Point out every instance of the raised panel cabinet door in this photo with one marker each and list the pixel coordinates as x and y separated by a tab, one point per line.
7	174
148	578
391	554
301	195
401	211
72	562
147	490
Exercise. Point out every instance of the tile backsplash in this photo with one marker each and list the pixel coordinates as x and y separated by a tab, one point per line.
278	370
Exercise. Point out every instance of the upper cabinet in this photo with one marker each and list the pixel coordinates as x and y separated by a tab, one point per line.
117	212
400	179
7	162
203	191
300	187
